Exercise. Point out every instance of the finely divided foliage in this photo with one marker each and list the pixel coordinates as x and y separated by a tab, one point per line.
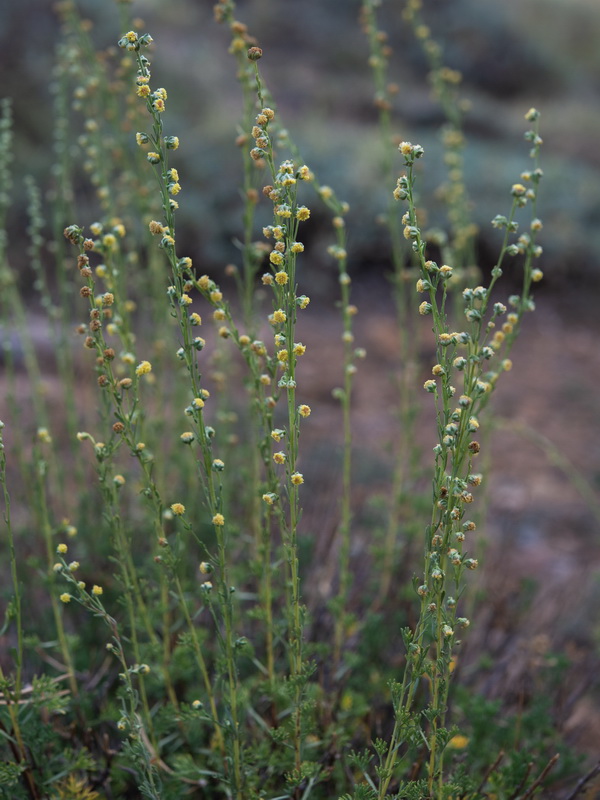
182	659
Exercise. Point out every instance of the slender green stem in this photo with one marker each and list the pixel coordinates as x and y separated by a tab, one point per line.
41	507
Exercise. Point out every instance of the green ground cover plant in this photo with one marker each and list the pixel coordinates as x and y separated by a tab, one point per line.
161	640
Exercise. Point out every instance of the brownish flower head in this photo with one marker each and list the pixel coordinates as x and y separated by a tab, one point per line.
72	233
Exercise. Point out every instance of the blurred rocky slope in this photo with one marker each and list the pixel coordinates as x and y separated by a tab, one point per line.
512	55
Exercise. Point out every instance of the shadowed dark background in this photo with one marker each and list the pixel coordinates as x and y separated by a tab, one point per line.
512	55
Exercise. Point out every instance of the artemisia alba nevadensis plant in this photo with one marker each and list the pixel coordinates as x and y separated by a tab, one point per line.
219	690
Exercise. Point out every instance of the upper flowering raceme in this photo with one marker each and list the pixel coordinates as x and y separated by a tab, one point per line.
410	152
131	41
260	134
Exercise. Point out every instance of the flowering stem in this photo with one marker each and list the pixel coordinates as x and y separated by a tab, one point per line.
287	215
44	523
405	451
168	184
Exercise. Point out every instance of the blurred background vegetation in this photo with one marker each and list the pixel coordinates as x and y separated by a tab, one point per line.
512	55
